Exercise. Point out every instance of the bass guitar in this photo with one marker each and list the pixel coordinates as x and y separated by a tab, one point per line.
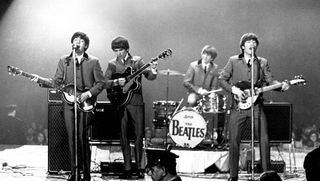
245	86
121	95
67	90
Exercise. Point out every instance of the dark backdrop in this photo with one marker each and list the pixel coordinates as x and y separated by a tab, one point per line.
35	33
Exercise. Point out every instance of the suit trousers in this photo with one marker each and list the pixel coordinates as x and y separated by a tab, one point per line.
237	123
84	154
132	119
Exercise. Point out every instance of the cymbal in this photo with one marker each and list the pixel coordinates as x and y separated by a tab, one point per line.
170	72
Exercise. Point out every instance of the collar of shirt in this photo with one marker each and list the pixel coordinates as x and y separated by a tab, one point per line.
79	58
125	58
247	60
205	65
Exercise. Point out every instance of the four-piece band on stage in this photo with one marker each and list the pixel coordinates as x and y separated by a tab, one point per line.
235	90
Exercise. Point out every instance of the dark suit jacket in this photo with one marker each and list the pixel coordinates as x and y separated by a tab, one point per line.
89	74
196	78
117	66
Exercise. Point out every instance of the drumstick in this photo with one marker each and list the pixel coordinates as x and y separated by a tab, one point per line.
214	91
175	111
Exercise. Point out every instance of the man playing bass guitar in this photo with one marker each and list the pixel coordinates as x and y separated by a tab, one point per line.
90	81
131	112
237	69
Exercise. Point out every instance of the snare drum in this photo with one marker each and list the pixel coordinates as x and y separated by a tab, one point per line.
212	103
187	128
163	109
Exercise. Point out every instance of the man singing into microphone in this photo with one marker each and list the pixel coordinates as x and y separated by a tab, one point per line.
238	69
90	82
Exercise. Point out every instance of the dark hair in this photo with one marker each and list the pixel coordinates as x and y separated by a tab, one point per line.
82	36
210	50
120	42
247	37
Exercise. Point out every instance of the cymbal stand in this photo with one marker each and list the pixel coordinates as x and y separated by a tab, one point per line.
166	107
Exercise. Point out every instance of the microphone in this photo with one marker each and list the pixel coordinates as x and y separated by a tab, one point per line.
75	46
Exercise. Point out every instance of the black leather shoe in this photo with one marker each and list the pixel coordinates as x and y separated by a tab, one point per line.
127	174
140	174
233	179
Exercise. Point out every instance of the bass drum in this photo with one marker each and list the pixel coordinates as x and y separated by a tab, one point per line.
187	128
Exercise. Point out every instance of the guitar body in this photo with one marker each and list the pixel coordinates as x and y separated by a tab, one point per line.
245	86
122	95
68	96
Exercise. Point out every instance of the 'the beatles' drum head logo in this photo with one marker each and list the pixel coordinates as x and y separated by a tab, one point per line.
187	128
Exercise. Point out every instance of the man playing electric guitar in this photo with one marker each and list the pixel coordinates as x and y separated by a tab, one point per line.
238	69
131	113
89	77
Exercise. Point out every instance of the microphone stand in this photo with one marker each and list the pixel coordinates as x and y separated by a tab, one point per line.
252	116
77	175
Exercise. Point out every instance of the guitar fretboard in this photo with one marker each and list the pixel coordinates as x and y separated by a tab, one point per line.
41	81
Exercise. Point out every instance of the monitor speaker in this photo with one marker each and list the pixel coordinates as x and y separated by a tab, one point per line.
58	148
279	119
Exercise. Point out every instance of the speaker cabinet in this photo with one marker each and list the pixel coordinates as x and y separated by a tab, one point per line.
278	166
279	119
58	148
105	125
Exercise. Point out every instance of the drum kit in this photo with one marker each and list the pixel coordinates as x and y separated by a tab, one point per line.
189	126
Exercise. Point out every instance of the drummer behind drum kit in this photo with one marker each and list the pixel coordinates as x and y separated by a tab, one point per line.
190	126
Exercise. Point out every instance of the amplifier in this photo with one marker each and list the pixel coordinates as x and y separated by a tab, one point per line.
54	96
114	168
279	120
277	166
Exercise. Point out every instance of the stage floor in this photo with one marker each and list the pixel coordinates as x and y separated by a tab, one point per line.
30	162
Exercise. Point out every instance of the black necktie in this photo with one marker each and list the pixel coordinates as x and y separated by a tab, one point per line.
205	69
249	64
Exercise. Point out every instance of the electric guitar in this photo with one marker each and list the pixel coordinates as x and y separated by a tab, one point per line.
245	86
121	95
67	90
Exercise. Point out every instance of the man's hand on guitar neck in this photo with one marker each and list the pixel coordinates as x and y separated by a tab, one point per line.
285	86
154	69
35	78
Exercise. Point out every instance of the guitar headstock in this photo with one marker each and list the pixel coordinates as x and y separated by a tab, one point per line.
165	54
14	70
298	80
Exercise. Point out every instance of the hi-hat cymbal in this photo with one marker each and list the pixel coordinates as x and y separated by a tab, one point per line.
170	72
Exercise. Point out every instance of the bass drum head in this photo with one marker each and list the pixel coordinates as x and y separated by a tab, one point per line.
187	128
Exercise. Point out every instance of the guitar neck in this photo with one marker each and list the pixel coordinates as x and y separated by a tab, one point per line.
40	81
268	88
138	72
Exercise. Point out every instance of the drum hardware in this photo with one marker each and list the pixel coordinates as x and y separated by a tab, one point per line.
212	103
163	109
169	119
